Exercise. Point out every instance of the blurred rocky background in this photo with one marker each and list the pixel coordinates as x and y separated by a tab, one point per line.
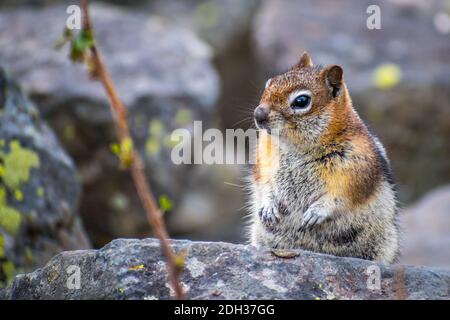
183	60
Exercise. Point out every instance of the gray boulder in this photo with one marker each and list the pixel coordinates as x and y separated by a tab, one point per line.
134	269
426	226
165	78
218	22
39	188
409	111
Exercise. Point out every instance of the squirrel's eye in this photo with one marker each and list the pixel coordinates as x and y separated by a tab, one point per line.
301	102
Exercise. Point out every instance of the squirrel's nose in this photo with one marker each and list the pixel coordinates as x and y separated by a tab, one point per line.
261	114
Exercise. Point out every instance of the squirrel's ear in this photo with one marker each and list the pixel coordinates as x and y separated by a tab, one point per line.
305	61
334	79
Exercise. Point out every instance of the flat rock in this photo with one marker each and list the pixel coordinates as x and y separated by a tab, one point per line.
134	269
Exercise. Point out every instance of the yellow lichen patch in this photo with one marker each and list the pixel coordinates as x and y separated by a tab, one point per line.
69	132
387	76
156	128
18	195
136	268
183	116
2	246
180	260
170	143
156	134
8	270
40	192
267	158
17	164
28	255
152	146
207	14
10	218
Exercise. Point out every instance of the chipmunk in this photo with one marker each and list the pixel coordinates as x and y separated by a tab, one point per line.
321	181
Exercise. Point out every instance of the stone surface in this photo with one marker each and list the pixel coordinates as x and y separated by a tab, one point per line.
164	76
39	188
410	112
133	269
218	22
426	226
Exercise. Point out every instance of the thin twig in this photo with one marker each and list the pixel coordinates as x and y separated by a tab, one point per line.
152	211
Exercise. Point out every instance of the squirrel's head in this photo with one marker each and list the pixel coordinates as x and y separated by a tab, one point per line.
301	104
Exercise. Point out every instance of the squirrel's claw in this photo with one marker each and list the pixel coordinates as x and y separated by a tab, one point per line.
269	216
312	217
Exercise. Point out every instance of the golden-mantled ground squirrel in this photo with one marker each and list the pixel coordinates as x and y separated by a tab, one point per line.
321	181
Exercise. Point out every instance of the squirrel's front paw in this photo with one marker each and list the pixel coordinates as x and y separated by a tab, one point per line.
313	216
269	216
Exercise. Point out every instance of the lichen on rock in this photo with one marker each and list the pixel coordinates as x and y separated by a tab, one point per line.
135	269
39	189
16	165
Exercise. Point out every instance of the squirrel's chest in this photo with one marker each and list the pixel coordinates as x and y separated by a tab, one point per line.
297	180
293	179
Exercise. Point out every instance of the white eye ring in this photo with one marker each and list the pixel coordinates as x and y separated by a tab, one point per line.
267	83
297	93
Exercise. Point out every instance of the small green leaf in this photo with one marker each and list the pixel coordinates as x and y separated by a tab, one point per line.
82	42
124	151
115	148
66	36
165	204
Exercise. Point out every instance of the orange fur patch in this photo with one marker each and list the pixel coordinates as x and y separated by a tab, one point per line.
267	158
354	178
